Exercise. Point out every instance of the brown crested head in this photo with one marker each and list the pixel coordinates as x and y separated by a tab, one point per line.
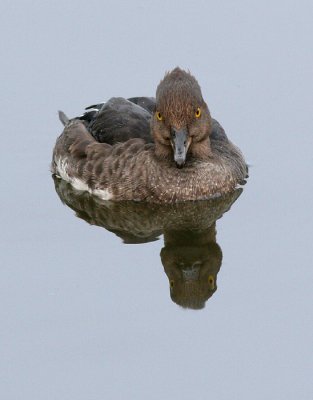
181	124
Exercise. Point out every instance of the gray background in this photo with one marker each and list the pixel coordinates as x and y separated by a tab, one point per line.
84	316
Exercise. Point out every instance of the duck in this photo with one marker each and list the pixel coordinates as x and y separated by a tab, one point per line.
163	150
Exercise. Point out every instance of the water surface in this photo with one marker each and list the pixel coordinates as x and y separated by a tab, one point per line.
86	313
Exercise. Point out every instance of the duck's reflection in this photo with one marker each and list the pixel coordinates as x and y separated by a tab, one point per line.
191	262
190	256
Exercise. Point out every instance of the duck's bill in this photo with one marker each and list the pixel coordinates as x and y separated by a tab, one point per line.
179	143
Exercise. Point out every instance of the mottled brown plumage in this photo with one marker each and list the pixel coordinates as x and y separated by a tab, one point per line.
137	170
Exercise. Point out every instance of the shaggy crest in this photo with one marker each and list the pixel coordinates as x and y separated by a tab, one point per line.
178	96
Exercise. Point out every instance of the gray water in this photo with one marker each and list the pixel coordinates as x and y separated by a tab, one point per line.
86	316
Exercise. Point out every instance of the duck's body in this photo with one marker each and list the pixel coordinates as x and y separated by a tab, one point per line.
209	164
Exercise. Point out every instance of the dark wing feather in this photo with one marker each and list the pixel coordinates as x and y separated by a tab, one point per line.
218	132
120	120
148	103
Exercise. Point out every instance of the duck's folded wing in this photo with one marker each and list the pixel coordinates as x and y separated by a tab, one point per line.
120	120
221	144
218	132
148	103
95	106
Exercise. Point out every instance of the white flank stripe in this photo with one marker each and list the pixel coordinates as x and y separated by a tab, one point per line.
77	183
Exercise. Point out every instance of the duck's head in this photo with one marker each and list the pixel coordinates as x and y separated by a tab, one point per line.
181	124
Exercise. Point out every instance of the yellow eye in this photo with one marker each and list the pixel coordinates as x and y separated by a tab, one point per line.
198	113
211	282
159	116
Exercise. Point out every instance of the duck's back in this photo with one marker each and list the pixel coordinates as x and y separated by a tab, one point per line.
119	120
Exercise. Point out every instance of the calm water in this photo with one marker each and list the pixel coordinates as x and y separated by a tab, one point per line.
91	293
